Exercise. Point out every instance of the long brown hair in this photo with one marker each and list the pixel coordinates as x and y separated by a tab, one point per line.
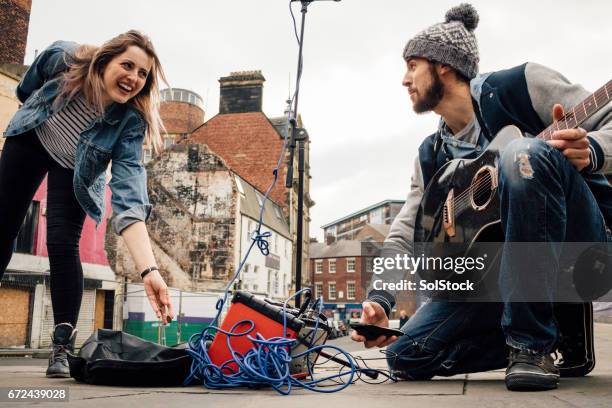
87	69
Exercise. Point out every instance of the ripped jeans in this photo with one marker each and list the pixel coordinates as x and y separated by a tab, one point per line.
447	338
543	199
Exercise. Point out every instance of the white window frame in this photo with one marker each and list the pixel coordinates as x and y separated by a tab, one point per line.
276	285
329	292
348	292
318	288
331	262
354	265
318	262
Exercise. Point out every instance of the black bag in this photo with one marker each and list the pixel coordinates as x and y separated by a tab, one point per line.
116	358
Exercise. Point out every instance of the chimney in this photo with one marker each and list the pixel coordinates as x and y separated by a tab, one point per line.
14	22
330	239
241	92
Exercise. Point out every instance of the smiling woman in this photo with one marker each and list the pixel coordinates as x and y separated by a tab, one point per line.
83	107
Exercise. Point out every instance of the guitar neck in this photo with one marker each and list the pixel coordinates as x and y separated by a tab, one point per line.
581	112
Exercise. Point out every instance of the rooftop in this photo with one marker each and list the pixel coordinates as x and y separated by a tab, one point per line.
373	206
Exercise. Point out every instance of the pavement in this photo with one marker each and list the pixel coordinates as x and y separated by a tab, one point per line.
473	390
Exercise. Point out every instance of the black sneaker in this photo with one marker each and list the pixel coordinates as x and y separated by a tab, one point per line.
531	371
63	338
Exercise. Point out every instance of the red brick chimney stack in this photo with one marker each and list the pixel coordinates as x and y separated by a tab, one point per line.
14	22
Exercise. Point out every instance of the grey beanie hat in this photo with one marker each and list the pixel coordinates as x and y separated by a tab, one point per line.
452	43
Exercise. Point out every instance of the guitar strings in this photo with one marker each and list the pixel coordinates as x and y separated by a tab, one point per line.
480	185
477	193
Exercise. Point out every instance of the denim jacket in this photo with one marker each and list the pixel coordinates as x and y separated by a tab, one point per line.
116	137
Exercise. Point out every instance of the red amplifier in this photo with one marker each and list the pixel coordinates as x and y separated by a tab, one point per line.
268	320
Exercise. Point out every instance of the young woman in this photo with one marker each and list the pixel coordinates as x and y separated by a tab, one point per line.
83	107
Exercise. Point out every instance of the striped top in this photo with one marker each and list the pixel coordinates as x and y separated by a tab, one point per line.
59	134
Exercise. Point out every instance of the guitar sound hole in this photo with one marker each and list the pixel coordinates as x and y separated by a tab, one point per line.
482	188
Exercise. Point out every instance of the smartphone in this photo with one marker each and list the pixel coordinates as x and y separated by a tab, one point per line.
372	332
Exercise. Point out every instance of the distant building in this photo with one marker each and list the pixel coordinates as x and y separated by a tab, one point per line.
202	224
373	232
251	144
348	227
181	111
339	275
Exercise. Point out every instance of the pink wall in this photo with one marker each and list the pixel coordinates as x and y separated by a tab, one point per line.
92	238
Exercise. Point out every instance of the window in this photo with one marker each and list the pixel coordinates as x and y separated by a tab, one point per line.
255	269
249	230
255	287
318	266
276	288
270	282
245	268
350	290
239	186
318	290
331	286
284	284
350	264
168	142
332	265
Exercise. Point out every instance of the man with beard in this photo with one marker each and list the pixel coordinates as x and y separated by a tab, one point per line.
543	195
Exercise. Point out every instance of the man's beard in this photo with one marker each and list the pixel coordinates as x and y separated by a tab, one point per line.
433	95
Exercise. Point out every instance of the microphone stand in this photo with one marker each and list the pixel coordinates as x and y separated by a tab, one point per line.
298	139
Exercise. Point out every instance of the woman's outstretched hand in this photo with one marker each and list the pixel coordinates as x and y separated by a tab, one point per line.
157	292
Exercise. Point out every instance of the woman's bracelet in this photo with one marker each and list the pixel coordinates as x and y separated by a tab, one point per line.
148	270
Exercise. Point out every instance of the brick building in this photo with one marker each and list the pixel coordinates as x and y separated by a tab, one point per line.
339	275
181	111
251	143
348	227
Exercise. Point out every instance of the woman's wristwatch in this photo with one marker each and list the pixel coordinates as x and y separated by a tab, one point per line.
148	270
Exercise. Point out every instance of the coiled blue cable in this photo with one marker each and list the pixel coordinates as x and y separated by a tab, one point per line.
265	364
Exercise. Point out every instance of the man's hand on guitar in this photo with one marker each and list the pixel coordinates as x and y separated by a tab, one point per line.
572	142
373	313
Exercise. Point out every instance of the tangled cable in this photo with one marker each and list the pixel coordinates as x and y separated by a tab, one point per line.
265	364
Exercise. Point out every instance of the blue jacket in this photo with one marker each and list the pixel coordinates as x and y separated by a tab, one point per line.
116	137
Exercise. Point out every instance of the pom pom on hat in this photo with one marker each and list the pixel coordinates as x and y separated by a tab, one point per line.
464	13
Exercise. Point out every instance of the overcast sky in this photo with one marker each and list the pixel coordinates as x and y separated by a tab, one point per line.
364	133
